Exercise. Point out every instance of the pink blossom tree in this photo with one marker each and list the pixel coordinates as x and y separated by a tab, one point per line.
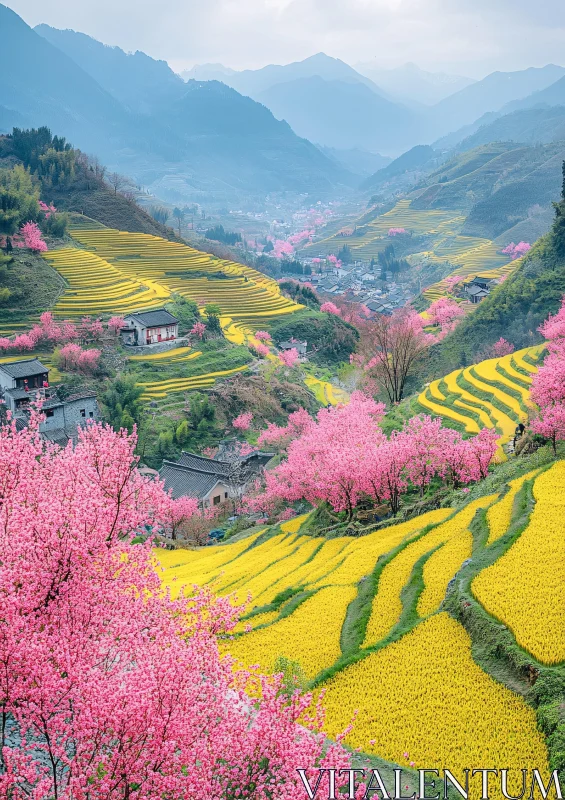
517	250
550	423
259	348
113	689
289	358
198	330
243	421
397	231
444	310
115	324
32	237
502	348
330	308
390	349
263	336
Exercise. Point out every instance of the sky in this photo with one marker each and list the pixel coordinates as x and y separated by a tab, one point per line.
468	37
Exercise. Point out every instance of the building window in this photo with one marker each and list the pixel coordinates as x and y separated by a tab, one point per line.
225	495
83	412
91	414
49	413
217	499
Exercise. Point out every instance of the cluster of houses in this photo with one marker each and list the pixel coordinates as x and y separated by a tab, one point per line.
213	481
362	285
23	382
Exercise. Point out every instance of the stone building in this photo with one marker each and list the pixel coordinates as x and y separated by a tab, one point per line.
26	381
22	381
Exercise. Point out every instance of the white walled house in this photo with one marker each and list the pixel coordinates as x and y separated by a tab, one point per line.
149	327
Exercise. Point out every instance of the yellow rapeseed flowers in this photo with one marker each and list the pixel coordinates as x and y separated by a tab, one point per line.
525	588
387	605
309	636
425	695
500	514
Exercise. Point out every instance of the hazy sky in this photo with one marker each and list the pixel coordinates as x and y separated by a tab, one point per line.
471	37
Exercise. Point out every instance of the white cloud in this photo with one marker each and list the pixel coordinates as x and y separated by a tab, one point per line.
473	36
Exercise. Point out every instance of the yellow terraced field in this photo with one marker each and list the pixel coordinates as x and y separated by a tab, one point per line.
525	588
387	604
428	672
473	392
115	272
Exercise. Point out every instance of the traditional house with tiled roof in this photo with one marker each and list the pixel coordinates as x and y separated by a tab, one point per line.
211	481
150	327
26	381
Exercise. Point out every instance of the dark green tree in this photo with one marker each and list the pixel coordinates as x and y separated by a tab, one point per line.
345	254
121	403
213	312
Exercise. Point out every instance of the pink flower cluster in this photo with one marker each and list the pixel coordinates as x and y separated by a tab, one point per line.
330	308
397	231
72	357
289	357
32	238
444	310
260	348
263	336
302	236
52	333
48	210
501	348
243	421
112	688
517	250
548	386
198	330
344	455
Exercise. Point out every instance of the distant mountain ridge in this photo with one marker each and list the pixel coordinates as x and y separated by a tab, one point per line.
194	141
409	83
365	119
490	95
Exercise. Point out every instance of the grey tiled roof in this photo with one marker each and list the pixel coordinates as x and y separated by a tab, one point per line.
24	369
19	394
152	319
203	464
185	482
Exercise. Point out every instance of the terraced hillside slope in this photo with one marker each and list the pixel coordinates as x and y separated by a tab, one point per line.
380	625
491	394
438	230
116	272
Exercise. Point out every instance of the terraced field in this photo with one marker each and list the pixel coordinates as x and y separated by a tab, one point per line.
469	255
364	618
492	394
372	238
119	272
114	272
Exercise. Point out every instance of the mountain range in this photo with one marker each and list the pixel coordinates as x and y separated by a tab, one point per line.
315	126
190	141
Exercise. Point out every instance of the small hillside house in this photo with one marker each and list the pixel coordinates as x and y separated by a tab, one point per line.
149	327
300	347
20	382
478	288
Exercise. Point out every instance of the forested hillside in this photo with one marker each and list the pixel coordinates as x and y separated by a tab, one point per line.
516	308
